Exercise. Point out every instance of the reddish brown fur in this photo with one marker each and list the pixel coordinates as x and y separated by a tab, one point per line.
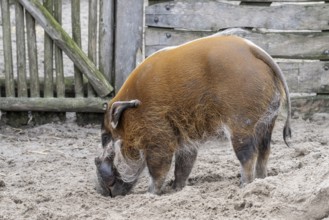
188	93
213	91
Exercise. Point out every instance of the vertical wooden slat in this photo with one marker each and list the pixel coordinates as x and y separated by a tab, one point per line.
92	38
20	48
7	49
128	38
33	56
76	35
60	85
106	39
48	57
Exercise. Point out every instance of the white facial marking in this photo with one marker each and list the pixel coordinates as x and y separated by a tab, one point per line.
129	170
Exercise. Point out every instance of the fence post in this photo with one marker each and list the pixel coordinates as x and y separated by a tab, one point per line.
33	55
7	49
60	85
106	39
76	36
48	58
92	38
128	38
20	48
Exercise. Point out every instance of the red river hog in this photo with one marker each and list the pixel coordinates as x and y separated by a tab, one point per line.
181	97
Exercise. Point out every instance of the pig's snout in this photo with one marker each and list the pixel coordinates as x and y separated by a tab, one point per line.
105	174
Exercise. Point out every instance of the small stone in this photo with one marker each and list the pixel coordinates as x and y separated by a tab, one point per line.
2	184
300	165
316	155
240	206
17	201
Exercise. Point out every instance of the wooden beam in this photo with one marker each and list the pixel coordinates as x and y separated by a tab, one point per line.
69	82
210	15
152	2
92	38
53	104
306	77
128	38
106	39
306	105
76	36
32	55
65	42
306	45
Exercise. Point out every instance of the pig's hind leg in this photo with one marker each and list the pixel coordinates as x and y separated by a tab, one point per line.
264	134
246	151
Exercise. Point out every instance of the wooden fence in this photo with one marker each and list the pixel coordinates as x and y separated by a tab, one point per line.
294	32
114	47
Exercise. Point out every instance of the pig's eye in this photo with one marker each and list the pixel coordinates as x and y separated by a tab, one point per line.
106	139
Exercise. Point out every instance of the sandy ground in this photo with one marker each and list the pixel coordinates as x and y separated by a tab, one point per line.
47	172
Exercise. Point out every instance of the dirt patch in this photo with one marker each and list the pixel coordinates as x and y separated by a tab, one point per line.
47	172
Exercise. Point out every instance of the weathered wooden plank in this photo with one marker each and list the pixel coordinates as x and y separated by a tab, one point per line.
65	42
52	104
76	35
32	54
60	86
68	81
306	77
20	50
309	45
106	39
128	46
307	106
152	2
7	48
92	38
210	15
48	57
266	4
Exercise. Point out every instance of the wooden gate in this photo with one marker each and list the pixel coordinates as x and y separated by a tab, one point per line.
114	47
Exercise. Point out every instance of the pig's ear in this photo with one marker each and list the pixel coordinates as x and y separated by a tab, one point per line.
118	108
